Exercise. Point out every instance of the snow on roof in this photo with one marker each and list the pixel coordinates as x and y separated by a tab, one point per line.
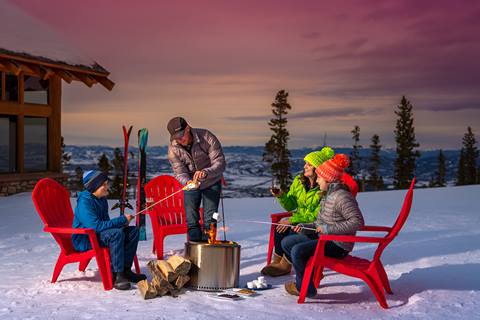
25	36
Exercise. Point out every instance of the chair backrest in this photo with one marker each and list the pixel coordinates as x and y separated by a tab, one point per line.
403	215
350	183
171	211
52	202
401	219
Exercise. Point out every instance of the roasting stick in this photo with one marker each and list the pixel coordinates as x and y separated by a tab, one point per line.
186	188
279	224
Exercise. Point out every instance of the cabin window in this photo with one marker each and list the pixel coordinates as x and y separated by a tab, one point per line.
7	144
35	90
35	144
11	87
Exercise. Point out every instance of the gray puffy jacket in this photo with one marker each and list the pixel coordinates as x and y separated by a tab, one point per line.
206	154
339	214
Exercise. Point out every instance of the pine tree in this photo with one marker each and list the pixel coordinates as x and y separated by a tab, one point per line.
470	157
104	164
78	180
65	160
276	150
117	182
375	163
355	159
405	162
461	169
441	171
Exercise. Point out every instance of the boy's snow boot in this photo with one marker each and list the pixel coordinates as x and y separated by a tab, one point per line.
134	277
121	281
278	269
276	260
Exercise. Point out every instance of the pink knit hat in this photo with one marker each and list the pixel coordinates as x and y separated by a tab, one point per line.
332	170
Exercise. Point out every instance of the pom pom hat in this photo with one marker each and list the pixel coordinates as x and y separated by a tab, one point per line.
316	158
93	179
332	170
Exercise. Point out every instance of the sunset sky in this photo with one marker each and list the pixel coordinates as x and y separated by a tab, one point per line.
220	63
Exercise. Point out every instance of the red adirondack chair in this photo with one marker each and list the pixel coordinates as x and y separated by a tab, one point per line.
52	202
370	271
167	217
276	217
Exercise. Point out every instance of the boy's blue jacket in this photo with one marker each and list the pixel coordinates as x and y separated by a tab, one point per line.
92	212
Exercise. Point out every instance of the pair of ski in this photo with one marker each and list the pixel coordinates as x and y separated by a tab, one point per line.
141	178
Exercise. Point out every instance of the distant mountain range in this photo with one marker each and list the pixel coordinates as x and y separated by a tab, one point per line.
248	176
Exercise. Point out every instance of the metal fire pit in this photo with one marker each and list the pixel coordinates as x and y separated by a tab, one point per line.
214	266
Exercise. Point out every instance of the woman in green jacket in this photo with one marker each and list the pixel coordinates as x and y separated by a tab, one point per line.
303	198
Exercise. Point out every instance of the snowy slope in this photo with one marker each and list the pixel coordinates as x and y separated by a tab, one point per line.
433	266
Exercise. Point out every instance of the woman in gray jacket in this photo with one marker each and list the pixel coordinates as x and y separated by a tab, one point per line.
339	214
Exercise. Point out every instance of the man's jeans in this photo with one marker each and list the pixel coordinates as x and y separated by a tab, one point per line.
299	248
210	197
122	243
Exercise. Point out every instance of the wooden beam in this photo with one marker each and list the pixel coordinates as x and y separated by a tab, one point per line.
64	75
107	83
85	78
46	73
37	111
54	65
12	67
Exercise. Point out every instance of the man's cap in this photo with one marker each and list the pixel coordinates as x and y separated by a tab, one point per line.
176	127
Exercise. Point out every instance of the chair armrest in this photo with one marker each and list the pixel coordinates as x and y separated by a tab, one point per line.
69	230
376	228
278	216
342	238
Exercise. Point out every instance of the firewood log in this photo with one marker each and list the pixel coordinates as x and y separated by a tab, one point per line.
180	265
167	270
161	285
181	281
147	290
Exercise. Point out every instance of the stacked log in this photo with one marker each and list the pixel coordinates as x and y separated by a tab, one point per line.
168	277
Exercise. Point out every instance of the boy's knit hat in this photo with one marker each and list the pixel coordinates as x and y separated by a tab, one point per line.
332	170
316	158
93	179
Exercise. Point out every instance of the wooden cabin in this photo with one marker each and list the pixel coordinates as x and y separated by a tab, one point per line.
31	75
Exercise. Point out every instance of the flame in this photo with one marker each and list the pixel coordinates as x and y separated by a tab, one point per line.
212	234
226	229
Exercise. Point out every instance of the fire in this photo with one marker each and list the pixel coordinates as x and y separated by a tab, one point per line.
212	234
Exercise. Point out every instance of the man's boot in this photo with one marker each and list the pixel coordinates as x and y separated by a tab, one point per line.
134	277
121	282
278	269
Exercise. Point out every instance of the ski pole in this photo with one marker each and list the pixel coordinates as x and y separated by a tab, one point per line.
279	224
223	219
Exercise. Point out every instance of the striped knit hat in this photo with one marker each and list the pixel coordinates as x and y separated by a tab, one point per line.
332	170
93	179
316	158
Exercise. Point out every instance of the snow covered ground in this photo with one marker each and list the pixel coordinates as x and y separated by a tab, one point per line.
433	266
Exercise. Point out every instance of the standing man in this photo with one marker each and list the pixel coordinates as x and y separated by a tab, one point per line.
197	158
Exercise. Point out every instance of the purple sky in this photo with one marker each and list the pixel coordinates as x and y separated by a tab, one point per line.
220	64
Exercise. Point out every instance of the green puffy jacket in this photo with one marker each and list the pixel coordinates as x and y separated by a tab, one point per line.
306	204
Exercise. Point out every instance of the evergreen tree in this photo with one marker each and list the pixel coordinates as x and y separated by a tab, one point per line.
117	183
461	169
104	164
78	180
405	162
470	157
355	159
65	160
375	148
276	150
441	171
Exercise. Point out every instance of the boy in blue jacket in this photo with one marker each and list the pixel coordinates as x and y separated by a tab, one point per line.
122	240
